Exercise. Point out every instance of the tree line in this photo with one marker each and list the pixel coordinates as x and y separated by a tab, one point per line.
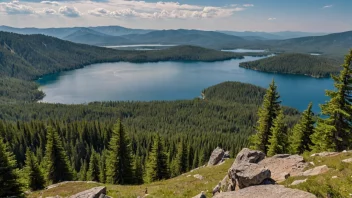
331	131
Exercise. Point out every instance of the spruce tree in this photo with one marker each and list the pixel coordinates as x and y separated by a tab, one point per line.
102	167
300	140
9	178
138	171
156	166
278	139
333	132
119	161
83	171
35	177
93	170
267	114
181	158
57	166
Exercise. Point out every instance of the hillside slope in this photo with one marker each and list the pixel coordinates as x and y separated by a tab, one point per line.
335	45
303	64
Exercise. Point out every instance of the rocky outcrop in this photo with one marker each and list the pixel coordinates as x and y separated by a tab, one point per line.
325	154
227	184
282	166
347	160
266	191
248	155
249	174
316	171
298	182
216	156
97	192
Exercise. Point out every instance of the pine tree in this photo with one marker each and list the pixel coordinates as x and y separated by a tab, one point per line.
102	167
9	178
156	166
333	133
181	158
57	166
300	139
278	139
119	161
138	171
33	172
93	171
83	171
267	114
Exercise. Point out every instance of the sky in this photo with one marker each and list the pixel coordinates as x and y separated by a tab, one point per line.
235	15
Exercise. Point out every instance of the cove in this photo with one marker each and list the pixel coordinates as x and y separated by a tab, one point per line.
173	81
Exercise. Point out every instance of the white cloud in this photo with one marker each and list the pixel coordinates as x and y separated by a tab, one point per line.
248	5
15	7
99	12
168	10
54	3
271	19
69	11
327	6
47	11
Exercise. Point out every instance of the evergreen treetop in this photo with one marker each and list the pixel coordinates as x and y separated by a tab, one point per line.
278	138
267	113
333	131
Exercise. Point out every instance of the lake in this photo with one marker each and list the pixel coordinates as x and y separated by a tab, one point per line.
172	81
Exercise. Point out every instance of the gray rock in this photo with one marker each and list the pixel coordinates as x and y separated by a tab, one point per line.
227	184
298	182
282	166
347	160
216	156
248	155
316	171
325	154
248	174
227	155
266	191
198	176
91	193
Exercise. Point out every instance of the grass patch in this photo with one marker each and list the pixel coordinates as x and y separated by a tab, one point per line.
64	190
324	185
182	186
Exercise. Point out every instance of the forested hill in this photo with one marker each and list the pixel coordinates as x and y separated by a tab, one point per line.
304	64
30	56
27	57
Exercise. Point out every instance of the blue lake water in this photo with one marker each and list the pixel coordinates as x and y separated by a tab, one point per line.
172	81
244	50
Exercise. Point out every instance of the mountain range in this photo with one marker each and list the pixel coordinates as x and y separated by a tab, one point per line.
334	45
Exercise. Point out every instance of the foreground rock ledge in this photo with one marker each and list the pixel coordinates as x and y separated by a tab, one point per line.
96	192
266	191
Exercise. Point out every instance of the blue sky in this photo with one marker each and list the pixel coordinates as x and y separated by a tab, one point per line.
237	15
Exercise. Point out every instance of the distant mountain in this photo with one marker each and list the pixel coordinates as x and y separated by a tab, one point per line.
64	32
91	37
118	30
336	44
189	37
272	35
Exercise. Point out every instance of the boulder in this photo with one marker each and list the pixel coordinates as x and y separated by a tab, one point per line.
325	154
227	155
282	166
198	176
296	182
227	184
91	193
316	171
216	156
267	191
248	155
347	160
248	174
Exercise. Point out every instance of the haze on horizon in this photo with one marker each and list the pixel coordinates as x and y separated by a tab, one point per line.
235	15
